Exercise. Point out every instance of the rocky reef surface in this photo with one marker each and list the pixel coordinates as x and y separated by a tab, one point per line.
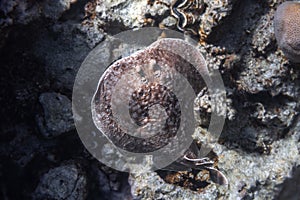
42	46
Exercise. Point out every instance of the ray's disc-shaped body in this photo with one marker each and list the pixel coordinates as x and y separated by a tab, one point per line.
144	100
144	103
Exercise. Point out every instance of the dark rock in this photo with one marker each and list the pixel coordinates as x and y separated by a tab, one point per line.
57	118
63	182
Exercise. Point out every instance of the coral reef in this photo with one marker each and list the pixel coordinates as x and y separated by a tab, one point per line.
42	46
25	11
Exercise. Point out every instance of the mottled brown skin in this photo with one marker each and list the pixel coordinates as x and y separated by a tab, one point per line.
103	97
287	29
